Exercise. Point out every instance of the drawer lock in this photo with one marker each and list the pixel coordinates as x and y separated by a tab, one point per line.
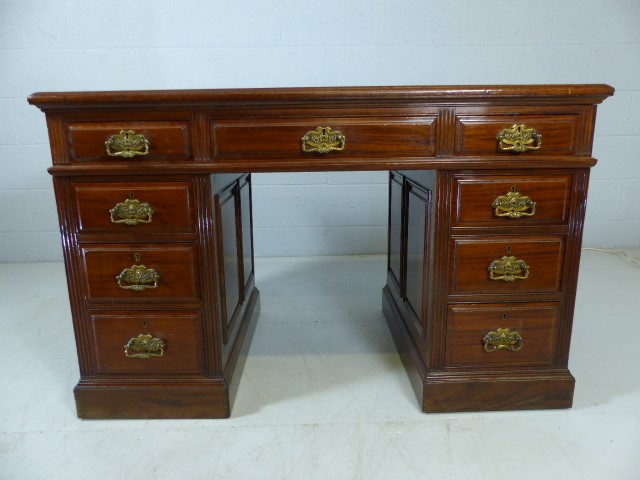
502	339
145	346
508	269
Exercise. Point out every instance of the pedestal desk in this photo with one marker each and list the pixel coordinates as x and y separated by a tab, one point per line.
487	195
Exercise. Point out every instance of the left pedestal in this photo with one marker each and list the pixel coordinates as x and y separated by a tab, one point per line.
161	282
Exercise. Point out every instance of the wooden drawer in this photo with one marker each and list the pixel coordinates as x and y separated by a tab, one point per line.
151	207
487	200
478	134
528	336
175	268
369	138
165	141
472	258
121	344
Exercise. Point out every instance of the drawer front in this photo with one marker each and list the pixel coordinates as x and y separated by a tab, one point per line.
512	199
162	207
502	335
149	141
147	342
141	273
507	264
347	138
539	135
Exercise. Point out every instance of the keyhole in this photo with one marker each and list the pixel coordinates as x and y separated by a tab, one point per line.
137	257
144	324
508	248
504	316
514	188
132	196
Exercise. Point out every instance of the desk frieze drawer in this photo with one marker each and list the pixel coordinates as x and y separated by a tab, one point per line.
129	141
510	134
512	200
314	137
141	273
502	335
149	343
134	208
507	264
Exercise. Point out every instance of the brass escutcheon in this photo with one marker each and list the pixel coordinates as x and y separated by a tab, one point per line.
519	139
508	269
137	278
323	140
145	347
502	339
514	205
127	144
131	212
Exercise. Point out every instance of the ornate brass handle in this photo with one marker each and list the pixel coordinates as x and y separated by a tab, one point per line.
508	269
519	139
131	212
323	140
127	144
502	339
138	277
145	347
514	205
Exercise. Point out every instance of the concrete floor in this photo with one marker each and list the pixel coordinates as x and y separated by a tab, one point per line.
324	394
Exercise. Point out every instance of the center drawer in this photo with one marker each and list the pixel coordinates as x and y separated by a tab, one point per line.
309	138
141	273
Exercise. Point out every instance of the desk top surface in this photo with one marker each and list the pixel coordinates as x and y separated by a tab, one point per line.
548	94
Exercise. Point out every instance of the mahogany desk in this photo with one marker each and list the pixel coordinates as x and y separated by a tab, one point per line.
487	195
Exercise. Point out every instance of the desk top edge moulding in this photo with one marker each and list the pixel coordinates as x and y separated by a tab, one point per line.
487	196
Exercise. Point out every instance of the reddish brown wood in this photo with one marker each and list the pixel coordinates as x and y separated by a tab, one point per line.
467	326
447	170
477	134
167	140
390	137
141	400
515	391
475	195
473	255
171	203
487	94
180	331
175	264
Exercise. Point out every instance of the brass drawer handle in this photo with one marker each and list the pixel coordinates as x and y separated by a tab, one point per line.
519	139
127	144
131	212
502	339
145	347
514	205
323	140
508	269
137	278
